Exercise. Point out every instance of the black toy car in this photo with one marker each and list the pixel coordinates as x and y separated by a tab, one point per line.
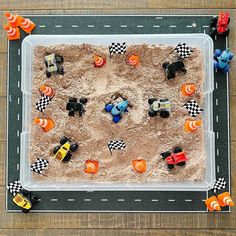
173	68
161	107
62	151
73	105
52	62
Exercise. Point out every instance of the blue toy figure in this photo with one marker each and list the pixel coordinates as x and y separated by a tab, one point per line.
222	59
117	109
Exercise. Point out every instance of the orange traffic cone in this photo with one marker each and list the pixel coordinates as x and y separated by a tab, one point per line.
27	25
192	125
99	61
91	167
225	199
13	20
212	204
48	91
188	89
134	60
139	165
46	124
12	33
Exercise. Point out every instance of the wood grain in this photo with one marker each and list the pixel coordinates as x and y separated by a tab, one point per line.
111	4
114	232
117	223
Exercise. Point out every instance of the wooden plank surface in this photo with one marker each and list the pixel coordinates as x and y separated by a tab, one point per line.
117	223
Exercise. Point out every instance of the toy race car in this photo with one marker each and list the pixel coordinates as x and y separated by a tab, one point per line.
52	62
161	107
174	68
218	24
25	200
178	157
74	106
62	152
222	60
117	109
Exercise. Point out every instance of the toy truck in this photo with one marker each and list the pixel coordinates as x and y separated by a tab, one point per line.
219	24
177	157
25	200
52	63
174	68
161	107
63	151
74	106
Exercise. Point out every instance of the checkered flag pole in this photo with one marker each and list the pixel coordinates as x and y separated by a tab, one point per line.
14	187
119	48
183	50
193	108
42	103
220	183
39	165
116	145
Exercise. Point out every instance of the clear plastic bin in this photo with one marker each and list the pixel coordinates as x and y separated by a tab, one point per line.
201	41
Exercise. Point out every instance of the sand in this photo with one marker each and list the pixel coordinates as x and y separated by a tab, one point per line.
145	137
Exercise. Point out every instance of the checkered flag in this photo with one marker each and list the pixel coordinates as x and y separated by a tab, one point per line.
193	108
39	165
116	144
183	50
14	187
119	48
220	183
42	103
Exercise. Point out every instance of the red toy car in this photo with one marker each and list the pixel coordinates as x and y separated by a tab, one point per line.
178	157
219	24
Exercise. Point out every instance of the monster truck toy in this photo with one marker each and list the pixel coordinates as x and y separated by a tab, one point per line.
62	151
219	24
222	59
74	106
178	157
52	62
161	107
25	200
174	68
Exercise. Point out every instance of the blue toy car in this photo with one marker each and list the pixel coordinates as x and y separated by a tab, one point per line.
117	109
222	60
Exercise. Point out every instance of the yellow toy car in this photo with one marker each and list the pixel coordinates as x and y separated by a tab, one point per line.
25	200
62	152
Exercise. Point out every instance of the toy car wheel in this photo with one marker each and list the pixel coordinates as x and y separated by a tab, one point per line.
165	155
25	192
163	100
34	199
71	112
48	74
164	114
213	21
67	157
83	100
70	105
152	113
59	59
181	163
55	149
60	70
151	100
63	140
213	32
72	99
46	63
170	75
228	20
182	71
170	166
108	107
25	210
74	147
226	33
79	106
116	118
177	150
165	65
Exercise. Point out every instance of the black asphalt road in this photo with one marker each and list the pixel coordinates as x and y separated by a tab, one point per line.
148	201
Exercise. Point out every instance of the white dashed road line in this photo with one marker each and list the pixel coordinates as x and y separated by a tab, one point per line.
139	26
205	26
189	26
87	200
54	200
18	84
18	67
18	150
171	200
216	85
172	26
17	166
18	133
123	26
18	100
218	168
217	102
217	118
121	200
217	152
159	18
154	200
42	26
58	26
70	199
18	116
74	26
10	98
107	26
90	26
217	135
104	200
19	52
188	200
156	26
137	200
